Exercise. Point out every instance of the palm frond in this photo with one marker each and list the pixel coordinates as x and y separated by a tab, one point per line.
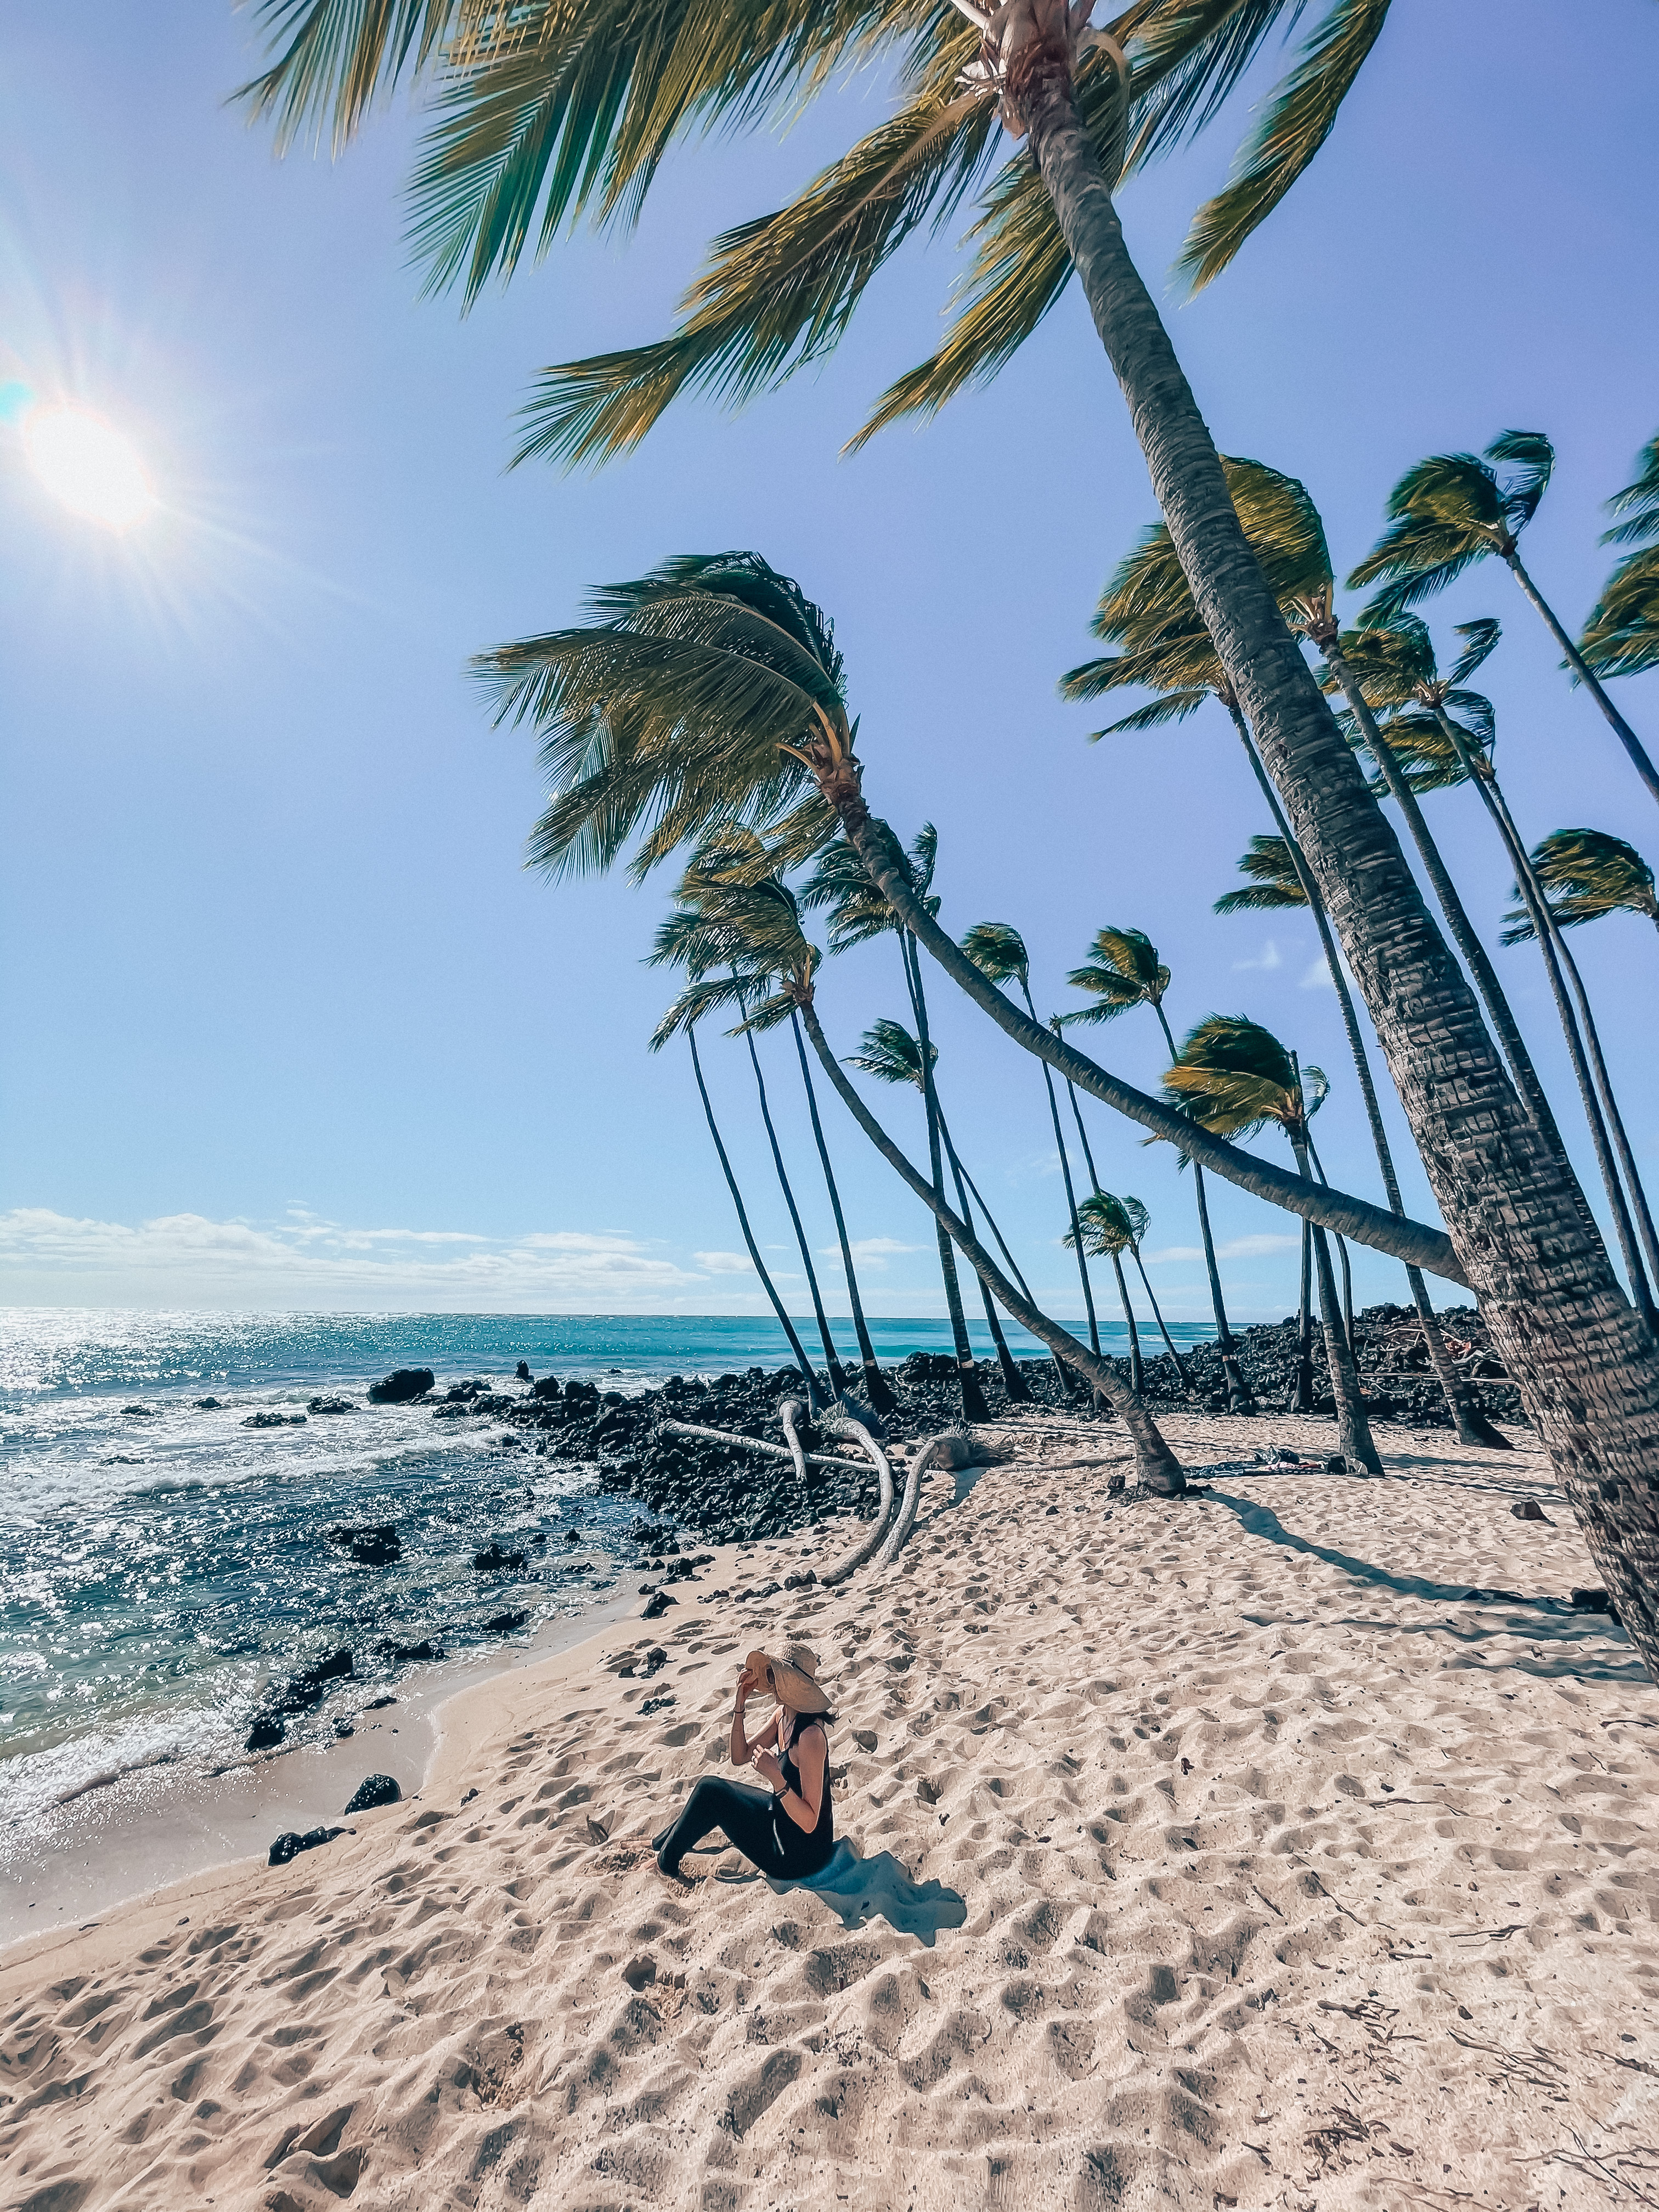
998	950
1232	1077
1274	882
892	1054
1481	639
1639	502
1106	1227
1173	707
1531	455
1621	637
333	58
1585	874
1296	123
1187	59
704	997
780	290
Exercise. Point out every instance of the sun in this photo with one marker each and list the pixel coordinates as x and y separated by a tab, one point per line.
88	466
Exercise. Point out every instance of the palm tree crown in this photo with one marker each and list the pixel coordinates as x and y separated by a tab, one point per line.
892	1055
1450	510
1235	1076
1621	637
1274	882
1125	972
1109	1225
1584	874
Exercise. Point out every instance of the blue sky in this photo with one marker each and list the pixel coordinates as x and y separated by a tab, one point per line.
286	1022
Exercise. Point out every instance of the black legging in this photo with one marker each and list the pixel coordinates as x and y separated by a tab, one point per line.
749	1821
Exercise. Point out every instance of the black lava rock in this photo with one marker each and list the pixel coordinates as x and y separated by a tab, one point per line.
331	1406
207	1406
656	1605
268	1728
379	1547
399	1387
503	1624
522	1370
289	1846
275	1421
408	1655
374	1789
495	1561
548	1387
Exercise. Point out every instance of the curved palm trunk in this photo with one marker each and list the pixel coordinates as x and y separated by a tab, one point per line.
1353	1431
1137	1365
1239	1400
1341	1257
1163	1327
1301	1397
1525	1242
831	1358
770	1287
1594	1092
1071	1198
1492	992
875	1382
1587	676
973	1408
957	1169
1013	1381
1470	1424
1155	1462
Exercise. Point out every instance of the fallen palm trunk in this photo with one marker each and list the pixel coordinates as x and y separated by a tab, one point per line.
759	1444
872	1536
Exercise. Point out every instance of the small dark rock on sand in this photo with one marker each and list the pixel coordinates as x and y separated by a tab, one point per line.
268	1728
401	1385
656	1605
374	1790
1594	1600
1528	1509
289	1846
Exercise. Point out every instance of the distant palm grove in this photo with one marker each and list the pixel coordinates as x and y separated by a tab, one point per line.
701	717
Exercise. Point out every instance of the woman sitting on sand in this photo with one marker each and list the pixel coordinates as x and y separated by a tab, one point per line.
789	1833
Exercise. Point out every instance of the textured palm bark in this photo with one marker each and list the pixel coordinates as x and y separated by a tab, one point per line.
1464	935
875	1382
973	1408
1583	1360
1356	1219
1157	1464
767	1284
1587	676
1548	936
1471	1424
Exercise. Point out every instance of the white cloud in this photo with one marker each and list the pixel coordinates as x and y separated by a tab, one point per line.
871	1251
725	1263
185	1259
1236	1248
1269	957
1318	977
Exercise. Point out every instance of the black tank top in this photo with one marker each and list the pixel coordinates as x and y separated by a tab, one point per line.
802	1852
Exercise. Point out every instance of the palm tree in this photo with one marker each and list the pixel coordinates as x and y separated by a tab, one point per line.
683	1014
1397	667
1585	874
1621	637
730	915
710	691
1147	609
1105	1231
857	912
1236	1074
998	950
1140	1222
892	1054
1126	972
1453	509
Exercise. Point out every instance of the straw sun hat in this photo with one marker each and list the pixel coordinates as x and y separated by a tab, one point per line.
791	1676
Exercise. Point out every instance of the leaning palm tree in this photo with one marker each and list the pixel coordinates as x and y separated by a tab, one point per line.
710	691
1586	874
892	1055
1453	509
1105	1231
1140	1222
858	913
998	950
1236	1074
1621	637
1395	662
683	1014
1126	971
1147	609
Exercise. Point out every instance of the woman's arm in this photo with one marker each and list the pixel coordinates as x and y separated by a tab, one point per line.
740	1747
811	1749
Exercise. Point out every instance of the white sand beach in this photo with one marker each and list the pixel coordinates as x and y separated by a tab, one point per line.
1293	1875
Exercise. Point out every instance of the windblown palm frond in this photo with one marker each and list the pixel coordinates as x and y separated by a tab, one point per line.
333	58
1274	882
1621	637
1480	639
1450	511
892	1055
1426	755
857	908
1586	873
1639	502
1396	665
678	711
1125	972
706	996
1233	1077
1298	121
1107	1226
998	950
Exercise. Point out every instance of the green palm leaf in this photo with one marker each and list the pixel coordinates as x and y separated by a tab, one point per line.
1274	882
1585	874
998	950
334	57
1125	972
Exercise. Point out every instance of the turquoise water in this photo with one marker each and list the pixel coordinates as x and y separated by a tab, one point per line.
159	1560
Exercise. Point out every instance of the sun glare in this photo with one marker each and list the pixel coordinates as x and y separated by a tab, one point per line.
86	465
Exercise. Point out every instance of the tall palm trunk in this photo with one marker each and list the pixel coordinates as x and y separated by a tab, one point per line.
1522	1237
831	1358
1552	947
875	1382
1137	1365
1155	1462
1301	1394
1238	1393
1185	1380
1353	1431
1341	1258
1071	1198
770	1287
1471	1424
1587	676
1013	1267
1013	1381
973	1408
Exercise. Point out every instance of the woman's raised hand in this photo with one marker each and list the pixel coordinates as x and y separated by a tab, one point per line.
766	1767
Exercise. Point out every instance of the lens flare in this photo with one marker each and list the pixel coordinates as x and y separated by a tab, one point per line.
87	466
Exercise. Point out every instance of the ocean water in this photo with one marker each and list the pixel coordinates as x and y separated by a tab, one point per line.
160	1560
